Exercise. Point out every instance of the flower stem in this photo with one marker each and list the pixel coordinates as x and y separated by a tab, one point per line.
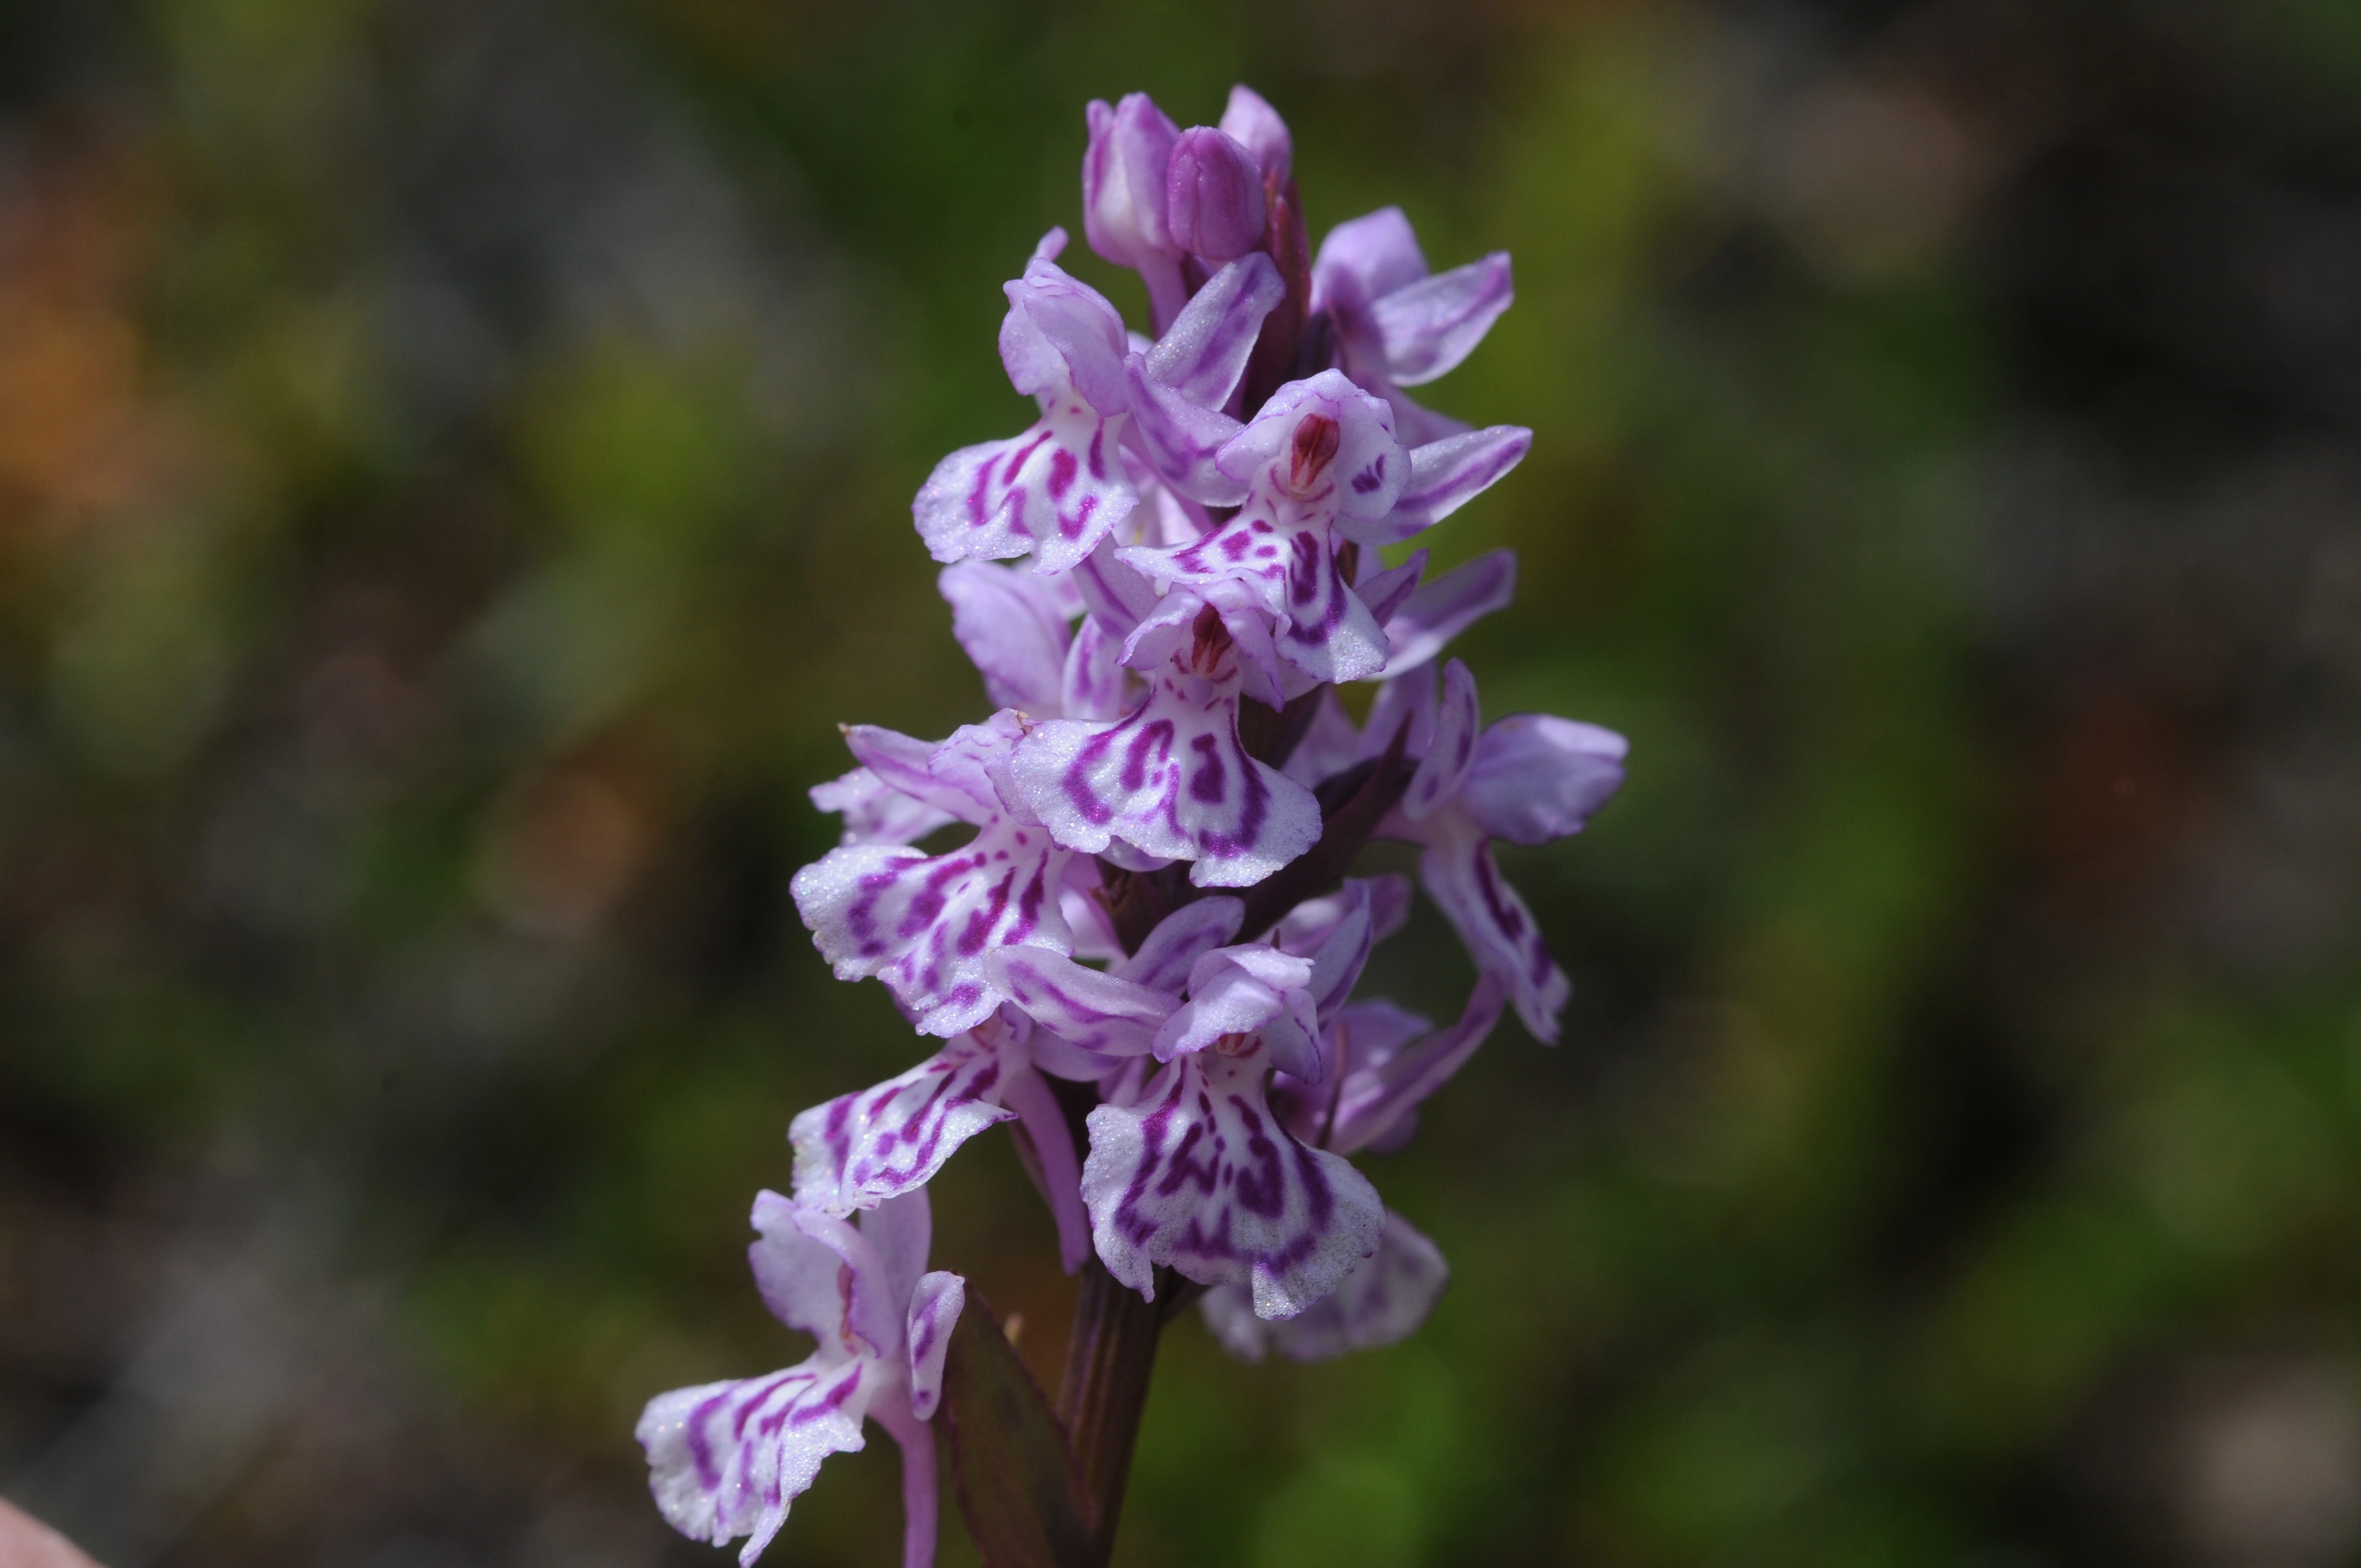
1109	1360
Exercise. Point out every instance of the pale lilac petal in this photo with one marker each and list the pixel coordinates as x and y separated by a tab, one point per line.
1180	437
1457	722
1445	476
1386	590
1046	1145
904	762
1204	352
790	1271
1390	901
1052	244
858	1150
1382	1302
1212	195
874	812
1328	748
728	1459
1386	1076
1429	326
1537	777
1062	337
1173	780
1009	624
935	1306
1198	1175
1257	126
902	1230
797	1275
1500	933
1365	259
1442	610
1336	932
1415	425
1093	683
924	924
1406	704
1053	492
1086	917
1180	940
1117	595
1246	990
1085	1007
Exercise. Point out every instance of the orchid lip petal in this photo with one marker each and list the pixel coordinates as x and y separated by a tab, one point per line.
1500	931
1197	1174
1052	492
858	1150
1382	1302
925	924
1173	779
729	1459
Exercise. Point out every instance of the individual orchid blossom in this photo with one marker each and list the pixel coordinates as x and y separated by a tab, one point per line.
1394	324
1173	780
730	1459
1146	958
924	924
1382	1302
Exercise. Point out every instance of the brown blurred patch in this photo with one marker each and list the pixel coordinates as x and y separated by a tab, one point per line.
76	236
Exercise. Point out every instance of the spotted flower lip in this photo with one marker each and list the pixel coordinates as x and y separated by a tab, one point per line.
1056	490
729	1459
1382	1302
1170	779
924	924
1196	1174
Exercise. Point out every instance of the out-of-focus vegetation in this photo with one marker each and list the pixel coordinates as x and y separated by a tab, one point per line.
454	475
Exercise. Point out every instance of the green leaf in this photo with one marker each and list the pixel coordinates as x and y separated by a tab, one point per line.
1018	1483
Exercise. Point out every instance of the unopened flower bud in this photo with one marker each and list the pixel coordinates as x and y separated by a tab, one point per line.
1122	181
1214	205
1256	125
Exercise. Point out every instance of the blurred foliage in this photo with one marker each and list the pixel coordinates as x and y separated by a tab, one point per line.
454	474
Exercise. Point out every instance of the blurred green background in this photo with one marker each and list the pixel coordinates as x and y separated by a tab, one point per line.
454	466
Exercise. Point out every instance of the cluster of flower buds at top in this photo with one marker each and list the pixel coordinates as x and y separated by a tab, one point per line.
1152	917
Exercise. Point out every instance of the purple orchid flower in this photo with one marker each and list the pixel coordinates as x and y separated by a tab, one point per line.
1530	778
1173	779
862	1150
1188	551
1395	325
1054	492
924	924
1382	1302
729	1459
